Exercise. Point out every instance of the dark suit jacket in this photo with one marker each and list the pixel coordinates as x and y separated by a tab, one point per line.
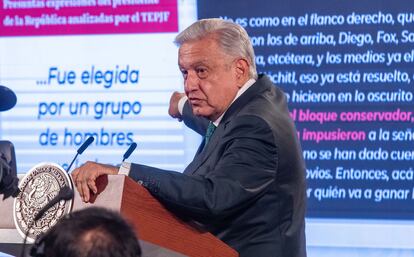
247	186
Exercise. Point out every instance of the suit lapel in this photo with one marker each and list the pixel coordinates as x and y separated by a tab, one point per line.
202	154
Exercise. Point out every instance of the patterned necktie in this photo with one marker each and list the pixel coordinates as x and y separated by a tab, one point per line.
210	130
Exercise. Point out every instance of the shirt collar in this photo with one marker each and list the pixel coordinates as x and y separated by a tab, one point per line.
243	89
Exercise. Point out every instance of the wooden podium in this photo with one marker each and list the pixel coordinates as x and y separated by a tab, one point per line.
160	232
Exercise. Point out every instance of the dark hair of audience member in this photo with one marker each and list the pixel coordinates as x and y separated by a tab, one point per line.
91	232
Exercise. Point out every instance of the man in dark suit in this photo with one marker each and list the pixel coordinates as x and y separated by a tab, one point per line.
246	184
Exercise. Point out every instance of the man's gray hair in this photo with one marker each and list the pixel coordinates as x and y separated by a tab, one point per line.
231	37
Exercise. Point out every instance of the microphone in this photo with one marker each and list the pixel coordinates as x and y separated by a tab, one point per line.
86	144
65	193
129	151
81	150
7	99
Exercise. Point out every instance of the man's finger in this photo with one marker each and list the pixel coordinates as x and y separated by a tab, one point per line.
78	184
85	191
92	185
74	176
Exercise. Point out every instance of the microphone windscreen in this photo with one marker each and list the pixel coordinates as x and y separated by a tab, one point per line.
85	144
66	193
130	150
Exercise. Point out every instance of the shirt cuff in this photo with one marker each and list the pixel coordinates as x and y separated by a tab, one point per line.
181	103
125	168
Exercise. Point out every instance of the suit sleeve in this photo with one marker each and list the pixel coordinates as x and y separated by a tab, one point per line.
198	124
244	171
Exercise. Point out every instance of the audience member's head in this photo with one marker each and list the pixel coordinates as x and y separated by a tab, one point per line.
91	232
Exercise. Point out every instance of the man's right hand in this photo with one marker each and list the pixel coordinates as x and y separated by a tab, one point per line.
173	109
85	177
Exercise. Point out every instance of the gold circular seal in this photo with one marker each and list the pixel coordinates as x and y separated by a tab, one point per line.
40	185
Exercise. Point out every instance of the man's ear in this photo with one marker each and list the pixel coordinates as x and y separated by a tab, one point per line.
242	71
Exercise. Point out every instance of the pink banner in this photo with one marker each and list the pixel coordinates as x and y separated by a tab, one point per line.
74	17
